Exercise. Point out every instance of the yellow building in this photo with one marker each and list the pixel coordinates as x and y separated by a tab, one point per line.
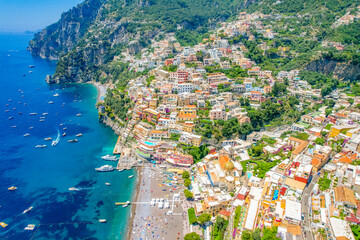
336	130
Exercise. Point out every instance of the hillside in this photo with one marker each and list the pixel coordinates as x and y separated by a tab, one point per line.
91	34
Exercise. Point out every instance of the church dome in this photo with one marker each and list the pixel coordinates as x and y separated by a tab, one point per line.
229	166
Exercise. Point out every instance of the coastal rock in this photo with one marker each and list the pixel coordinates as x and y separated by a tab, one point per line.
62	36
112	124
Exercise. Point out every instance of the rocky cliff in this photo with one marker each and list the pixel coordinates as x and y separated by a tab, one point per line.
62	37
341	70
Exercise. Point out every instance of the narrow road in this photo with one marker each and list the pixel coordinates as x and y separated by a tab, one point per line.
305	205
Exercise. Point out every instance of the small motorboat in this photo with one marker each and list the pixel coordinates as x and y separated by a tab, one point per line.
73	140
64	134
26	134
7	110
31	127
48	139
31	66
34	113
42	120
78	115
102	220
11	118
73	189
4	225
56	95
44	114
28	209
79	135
40	146
51	102
64	128
30	227
107	184
131	176
12	188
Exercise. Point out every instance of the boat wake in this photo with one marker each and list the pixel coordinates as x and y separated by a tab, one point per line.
57	140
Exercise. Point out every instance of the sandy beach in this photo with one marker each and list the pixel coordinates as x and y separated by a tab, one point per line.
152	222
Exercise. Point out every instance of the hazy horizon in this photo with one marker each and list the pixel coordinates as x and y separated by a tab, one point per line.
31	15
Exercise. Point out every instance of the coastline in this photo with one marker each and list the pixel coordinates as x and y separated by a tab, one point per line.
139	171
101	90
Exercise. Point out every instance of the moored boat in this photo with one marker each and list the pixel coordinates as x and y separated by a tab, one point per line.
102	220
131	176
73	140
105	168
109	157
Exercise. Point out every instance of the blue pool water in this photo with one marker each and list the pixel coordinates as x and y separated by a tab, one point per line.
44	175
150	143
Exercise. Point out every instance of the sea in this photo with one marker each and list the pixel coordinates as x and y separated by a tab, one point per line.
43	176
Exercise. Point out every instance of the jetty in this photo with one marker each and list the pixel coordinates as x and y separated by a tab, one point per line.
118	147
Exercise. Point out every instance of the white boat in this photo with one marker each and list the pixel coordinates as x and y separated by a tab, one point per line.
31	127
42	120
26	134
13	126
131	176
78	115
7	110
73	189
27	210
125	205
10	118
33	113
30	227
40	146
107	184
64	128
56	95
120	170
102	220
48	139
109	157
73	140
105	168
51	102
64	134
79	135
44	114
57	140
12	188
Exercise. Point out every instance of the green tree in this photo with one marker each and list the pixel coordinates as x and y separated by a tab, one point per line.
203	218
328	111
319	141
188	194
246	235
192	236
185	175
187	182
256	235
257	151
350	100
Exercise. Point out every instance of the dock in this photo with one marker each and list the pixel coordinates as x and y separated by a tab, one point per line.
118	147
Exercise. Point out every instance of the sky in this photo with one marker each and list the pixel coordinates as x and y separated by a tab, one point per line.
31	15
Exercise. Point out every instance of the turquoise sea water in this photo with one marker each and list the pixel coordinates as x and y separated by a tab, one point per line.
44	175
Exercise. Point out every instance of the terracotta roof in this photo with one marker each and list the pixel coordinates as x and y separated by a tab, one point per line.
222	160
344	194
186	116
300	148
225	213
345	159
